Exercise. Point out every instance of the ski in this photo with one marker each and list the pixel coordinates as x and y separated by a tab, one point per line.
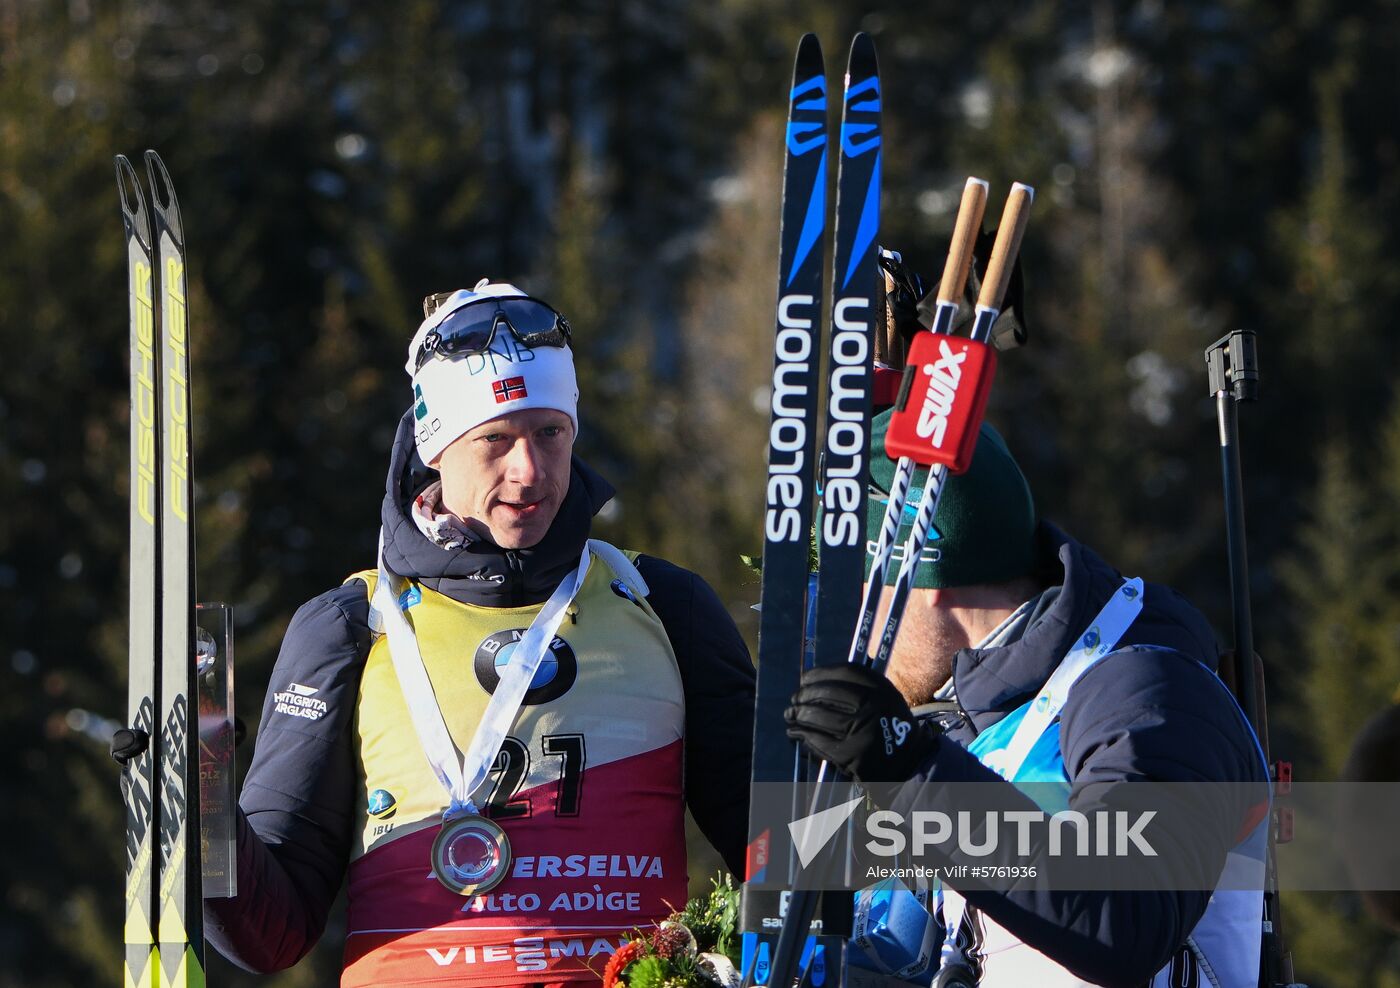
143	635
163	932
789	487
179	929
846	449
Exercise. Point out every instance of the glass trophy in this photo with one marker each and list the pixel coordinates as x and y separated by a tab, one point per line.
217	786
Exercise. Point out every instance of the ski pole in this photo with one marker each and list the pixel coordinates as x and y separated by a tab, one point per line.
962	418
1008	243
969	222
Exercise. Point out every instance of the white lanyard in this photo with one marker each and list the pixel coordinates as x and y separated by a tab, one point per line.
462	778
1103	635
1108	626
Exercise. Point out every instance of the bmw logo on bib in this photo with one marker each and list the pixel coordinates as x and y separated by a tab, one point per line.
556	675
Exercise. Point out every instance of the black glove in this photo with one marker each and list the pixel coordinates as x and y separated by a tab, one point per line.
127	743
898	290
855	719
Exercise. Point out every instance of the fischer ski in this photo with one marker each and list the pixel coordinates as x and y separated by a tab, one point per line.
791	472
164	928
143	627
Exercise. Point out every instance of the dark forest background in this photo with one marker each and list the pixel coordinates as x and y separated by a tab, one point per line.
1201	166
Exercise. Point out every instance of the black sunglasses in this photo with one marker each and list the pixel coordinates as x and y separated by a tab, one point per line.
472	328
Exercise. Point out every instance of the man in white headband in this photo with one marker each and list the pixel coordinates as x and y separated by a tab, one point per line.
498	423
498	728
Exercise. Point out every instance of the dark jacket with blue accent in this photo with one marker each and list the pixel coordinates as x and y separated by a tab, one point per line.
1153	710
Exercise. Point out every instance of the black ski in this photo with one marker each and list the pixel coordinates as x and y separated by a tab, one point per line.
846	456
143	634
791	471
845	462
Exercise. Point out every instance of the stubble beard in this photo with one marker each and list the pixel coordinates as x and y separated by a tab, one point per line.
922	660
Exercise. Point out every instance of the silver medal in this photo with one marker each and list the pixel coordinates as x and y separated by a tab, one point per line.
471	854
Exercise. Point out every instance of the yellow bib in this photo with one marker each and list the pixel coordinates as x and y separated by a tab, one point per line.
588	787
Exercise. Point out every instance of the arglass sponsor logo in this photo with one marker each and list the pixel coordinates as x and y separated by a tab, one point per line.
300	701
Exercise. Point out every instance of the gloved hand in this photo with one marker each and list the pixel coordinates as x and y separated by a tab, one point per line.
855	719
127	743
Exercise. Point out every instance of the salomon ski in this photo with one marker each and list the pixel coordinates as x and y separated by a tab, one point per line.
789	488
845	460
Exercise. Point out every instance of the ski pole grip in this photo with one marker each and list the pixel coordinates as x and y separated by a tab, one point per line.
1008	243
965	230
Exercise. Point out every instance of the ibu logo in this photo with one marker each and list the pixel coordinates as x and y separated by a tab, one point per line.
1042	703
381	804
420	407
1130	592
1090	640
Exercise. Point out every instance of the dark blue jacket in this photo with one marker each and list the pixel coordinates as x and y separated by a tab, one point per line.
1152	710
298	803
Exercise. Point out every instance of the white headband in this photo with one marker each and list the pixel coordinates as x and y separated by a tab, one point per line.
453	396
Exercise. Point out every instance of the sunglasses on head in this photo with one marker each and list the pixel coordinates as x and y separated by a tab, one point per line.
472	328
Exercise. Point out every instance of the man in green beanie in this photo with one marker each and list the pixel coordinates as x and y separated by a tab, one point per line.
1025	657
979	568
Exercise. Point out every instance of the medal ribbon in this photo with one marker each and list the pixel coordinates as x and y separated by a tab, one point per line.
1102	636
463	777
1105	629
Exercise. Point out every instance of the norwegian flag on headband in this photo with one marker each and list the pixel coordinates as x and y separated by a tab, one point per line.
509	389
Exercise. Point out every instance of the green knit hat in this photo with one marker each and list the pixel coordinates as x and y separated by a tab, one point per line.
984	531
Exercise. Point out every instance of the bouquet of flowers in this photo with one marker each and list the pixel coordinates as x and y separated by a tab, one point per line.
697	947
